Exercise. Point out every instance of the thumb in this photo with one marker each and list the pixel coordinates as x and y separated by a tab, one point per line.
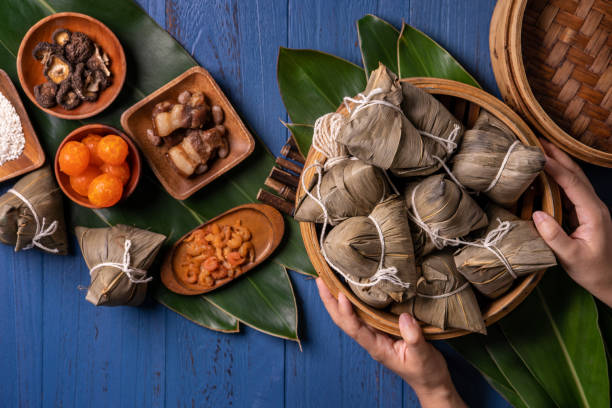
553	235
411	332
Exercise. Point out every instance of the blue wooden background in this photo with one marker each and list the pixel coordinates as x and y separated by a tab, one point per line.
58	350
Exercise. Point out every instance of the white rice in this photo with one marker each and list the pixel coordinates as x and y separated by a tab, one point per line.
12	140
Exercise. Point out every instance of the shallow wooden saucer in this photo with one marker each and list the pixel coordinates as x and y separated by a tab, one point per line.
267	228
33	156
31	73
137	119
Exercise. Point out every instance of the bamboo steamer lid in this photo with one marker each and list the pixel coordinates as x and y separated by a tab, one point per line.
552	62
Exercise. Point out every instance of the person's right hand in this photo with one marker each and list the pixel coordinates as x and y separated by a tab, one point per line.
585	253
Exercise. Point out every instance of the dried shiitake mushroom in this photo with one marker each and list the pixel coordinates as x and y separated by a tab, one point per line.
66	97
57	69
45	94
61	36
44	50
79	48
99	61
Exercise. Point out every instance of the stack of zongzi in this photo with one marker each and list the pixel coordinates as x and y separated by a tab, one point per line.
492	160
394	126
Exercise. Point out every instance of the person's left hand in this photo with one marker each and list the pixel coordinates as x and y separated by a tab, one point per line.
412	358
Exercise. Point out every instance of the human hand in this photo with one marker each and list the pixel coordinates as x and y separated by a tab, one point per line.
412	358
584	254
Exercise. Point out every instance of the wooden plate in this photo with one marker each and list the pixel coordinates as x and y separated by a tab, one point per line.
78	134
33	156
267	228
137	119
464	102
31	74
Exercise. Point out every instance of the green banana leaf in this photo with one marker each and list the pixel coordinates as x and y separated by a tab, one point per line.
555	332
516	360
154	58
279	315
419	55
309	85
377	40
302	135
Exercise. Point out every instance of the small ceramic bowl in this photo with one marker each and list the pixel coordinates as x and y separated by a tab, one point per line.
31	74
78	134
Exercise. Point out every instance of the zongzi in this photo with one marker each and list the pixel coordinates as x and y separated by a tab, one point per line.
349	188
377	131
444	298
375	251
516	249
118	258
32	214
492	160
442	211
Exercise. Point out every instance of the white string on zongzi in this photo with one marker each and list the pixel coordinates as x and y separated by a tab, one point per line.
324	135
41	230
489	242
502	167
449	143
382	273
365	101
445	295
135	275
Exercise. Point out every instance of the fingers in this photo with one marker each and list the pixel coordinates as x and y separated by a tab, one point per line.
552	233
411	331
578	190
562	158
330	303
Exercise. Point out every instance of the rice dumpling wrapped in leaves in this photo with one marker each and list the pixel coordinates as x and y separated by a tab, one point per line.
349	188
444	298
354	248
32	214
441	210
492	160
517	252
118	258
377	131
441	131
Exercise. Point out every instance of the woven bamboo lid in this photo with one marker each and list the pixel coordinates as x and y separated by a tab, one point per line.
552	62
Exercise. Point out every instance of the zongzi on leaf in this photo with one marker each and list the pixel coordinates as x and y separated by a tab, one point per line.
441	211
355	247
521	248
444	298
32	214
118	258
347	189
377	131
492	160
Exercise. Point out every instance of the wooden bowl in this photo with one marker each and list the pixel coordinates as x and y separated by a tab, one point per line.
465	102
267	227
33	156
137	119
78	134
30	71
552	63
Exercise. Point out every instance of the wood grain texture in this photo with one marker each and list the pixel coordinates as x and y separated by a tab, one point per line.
58	350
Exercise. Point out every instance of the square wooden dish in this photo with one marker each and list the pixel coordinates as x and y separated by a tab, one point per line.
33	156
137	119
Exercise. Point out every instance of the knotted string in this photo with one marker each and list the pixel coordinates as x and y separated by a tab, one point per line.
326	129
503	165
382	273
135	275
41	230
445	295
489	242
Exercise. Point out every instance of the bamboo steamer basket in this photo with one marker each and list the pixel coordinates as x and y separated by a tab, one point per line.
552	62
465	102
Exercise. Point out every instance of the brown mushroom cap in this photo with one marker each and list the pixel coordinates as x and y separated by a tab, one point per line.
61	36
44	50
79	48
66	97
45	94
57	69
